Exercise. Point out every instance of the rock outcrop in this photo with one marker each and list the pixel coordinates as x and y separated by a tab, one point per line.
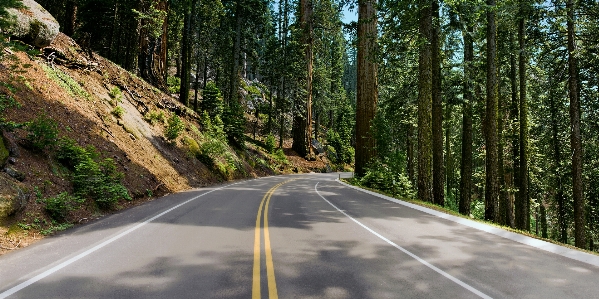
33	24
12	196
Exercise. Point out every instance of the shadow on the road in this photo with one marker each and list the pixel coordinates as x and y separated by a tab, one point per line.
318	252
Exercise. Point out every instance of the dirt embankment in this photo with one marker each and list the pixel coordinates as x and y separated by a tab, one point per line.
80	91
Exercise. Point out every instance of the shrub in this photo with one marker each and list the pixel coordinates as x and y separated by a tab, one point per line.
70	154
154	117
97	180
174	127
212	101
270	144
340	151
280	156
234	124
173	84
43	132
383	177
58	207
66	82
210	150
100	181
7	102
118	111
192	146
116	94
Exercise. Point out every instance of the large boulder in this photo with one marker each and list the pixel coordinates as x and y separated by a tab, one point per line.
12	197
33	24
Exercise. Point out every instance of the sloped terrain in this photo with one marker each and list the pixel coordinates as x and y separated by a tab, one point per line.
96	103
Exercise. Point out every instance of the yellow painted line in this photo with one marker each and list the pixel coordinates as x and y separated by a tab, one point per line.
270	271
256	279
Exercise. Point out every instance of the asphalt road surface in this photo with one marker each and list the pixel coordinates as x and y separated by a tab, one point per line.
297	236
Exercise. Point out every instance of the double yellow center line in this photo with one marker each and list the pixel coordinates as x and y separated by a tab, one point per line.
270	271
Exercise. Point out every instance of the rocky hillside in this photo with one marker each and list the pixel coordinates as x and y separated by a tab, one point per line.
76	127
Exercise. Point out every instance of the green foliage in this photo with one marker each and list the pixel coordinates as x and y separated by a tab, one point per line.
234	124
43	132
173	84
152	19
100	181
270	144
212	100
174	127
118	111
7	102
66	82
214	145
280	156
192	146
339	150
70	154
58	207
382	176
92	178
154	117
116	94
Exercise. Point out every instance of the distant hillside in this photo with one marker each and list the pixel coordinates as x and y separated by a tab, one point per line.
66	110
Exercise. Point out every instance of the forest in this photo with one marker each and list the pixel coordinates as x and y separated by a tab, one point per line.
487	108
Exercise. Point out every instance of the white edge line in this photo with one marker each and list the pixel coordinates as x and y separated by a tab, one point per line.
540	244
48	272
447	275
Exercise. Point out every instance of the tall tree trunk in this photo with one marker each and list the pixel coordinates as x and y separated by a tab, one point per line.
449	160
543	221
492	182
367	89
523	203
71	18
233	94
302	122
196	84
466	161
515	136
185	61
575	138
410	146
437	112
152	54
557	160
282	96
425	103
503	194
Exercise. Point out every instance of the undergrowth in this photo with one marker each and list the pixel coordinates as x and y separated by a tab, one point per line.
66	82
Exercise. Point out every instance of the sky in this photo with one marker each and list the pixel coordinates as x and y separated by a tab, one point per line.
349	16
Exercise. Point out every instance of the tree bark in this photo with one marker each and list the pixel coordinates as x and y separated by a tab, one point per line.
523	203
71	18
185	63
575	137
367	89
492	183
503	195
515	136
235	68
557	160
302	122
425	103
410	146
466	161
437	112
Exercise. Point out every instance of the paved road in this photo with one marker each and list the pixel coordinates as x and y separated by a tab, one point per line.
314	238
